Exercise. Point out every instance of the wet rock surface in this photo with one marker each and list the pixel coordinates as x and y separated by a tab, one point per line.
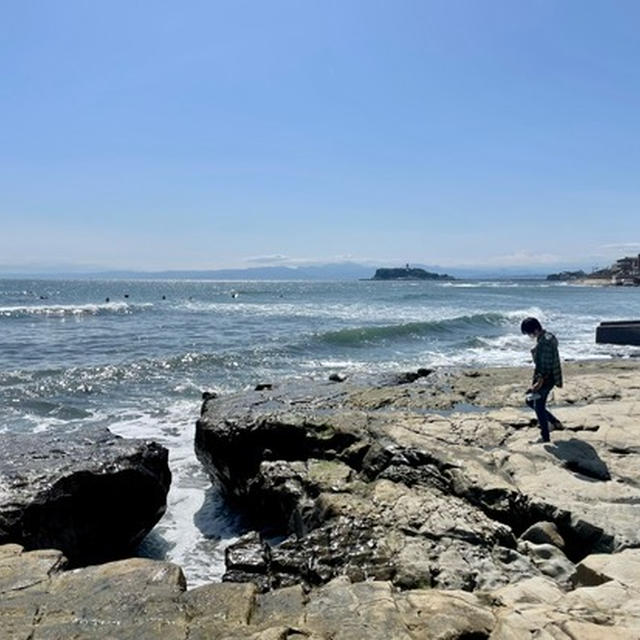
89	493
427	483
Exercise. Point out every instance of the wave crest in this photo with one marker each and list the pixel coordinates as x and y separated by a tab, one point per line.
460	324
65	310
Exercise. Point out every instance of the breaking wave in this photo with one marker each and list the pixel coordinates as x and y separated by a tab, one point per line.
448	326
64	310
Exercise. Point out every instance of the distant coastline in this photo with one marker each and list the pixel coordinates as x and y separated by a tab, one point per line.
623	272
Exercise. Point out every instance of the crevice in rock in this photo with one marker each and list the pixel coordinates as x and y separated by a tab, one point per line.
35	622
518	512
510	508
624	451
583	427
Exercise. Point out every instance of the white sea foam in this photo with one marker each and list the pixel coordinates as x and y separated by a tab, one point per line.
517	342
60	310
500	284
481	285
341	311
520	314
358	366
39	422
358	312
195	529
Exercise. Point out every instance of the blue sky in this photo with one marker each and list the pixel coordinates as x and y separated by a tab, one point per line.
158	135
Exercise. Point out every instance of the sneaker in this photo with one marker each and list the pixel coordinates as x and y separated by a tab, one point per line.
556	426
539	441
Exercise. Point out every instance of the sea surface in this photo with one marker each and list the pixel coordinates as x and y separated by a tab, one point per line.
135	356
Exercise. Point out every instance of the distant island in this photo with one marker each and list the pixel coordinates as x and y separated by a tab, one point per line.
409	274
623	272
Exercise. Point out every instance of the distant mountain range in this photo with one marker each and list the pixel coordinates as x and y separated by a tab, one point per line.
344	271
332	271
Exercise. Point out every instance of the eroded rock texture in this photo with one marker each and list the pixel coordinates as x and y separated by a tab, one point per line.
141	599
427	484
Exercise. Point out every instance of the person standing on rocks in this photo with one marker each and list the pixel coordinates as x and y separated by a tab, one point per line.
546	375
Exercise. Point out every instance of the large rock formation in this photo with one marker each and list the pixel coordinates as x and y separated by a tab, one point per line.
426	484
413	511
89	493
141	599
409	274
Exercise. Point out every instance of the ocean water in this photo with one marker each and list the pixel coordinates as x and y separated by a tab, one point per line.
135	356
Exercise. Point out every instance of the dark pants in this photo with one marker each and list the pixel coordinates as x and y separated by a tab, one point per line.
539	406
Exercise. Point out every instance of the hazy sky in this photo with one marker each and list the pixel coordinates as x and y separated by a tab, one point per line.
217	134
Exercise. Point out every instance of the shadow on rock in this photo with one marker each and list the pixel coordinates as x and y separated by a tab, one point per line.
580	457
154	546
215	518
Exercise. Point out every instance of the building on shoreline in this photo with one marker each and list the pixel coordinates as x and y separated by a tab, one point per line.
626	271
623	272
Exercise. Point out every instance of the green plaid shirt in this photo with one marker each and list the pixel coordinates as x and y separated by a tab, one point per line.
547	360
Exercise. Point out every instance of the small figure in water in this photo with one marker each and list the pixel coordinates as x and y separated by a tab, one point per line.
234	294
107	299
546	375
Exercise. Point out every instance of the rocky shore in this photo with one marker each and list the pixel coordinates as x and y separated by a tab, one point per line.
413	507
88	492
